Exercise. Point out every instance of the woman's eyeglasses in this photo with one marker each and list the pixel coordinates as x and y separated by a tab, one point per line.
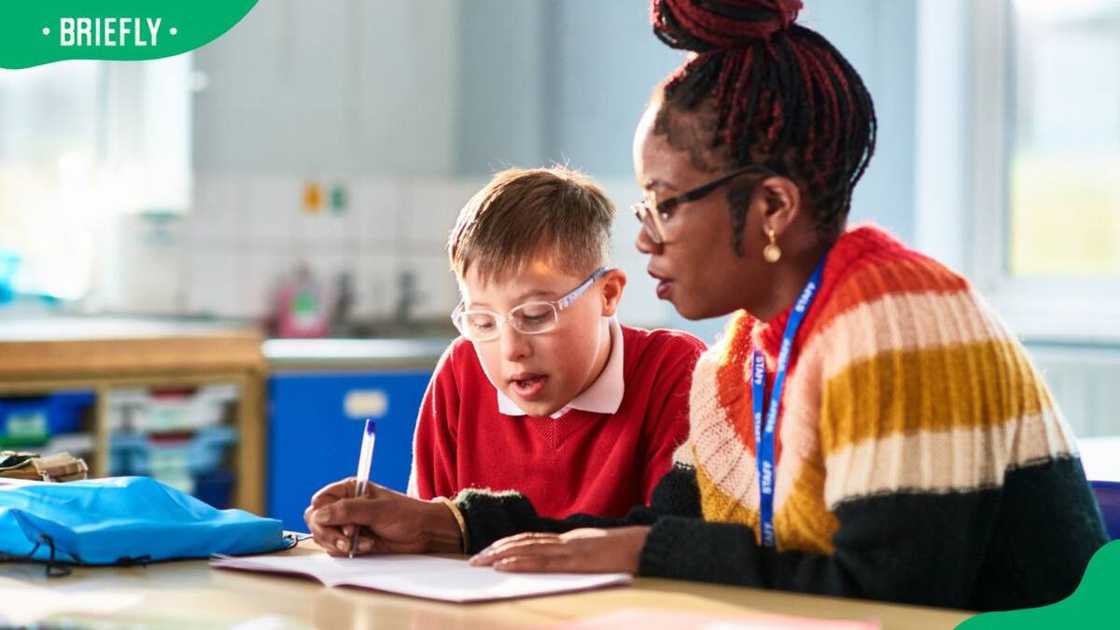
653	218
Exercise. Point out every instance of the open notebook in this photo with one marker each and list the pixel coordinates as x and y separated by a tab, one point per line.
430	577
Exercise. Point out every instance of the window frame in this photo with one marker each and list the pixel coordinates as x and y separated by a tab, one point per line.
1036	308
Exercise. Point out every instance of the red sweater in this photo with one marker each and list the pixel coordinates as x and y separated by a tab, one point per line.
581	462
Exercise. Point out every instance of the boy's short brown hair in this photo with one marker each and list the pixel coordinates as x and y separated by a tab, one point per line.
523	215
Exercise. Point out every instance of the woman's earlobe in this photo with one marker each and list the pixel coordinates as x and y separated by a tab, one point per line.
771	253
782	203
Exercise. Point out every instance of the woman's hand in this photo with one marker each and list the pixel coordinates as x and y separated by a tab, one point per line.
578	551
387	521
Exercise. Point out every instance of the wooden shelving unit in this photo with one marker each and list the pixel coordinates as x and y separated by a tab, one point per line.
100	358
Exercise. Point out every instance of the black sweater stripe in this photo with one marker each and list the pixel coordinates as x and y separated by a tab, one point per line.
1024	544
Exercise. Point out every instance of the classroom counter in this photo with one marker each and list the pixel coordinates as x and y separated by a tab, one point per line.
106	355
72	346
189	593
285	355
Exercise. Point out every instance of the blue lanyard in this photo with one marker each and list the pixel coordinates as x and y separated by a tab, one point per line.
764	435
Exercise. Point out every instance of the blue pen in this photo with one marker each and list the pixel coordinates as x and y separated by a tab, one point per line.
365	460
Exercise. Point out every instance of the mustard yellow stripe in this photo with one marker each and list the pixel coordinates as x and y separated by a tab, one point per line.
802	523
931	389
718	507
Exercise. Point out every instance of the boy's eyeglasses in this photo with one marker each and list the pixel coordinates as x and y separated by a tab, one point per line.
530	318
654	217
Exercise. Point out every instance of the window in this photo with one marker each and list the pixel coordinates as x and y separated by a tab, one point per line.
81	142
1064	162
1043	165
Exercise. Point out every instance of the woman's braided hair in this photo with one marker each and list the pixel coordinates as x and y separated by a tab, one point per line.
782	97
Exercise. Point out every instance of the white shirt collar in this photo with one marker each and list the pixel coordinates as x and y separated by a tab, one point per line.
604	395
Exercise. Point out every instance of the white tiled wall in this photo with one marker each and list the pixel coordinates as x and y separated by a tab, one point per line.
269	204
436	203
378	206
217	216
374	285
211	277
245	233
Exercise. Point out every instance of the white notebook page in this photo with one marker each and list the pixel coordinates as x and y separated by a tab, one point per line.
430	577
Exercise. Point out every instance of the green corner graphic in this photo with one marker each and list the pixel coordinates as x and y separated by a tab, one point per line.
1092	605
34	32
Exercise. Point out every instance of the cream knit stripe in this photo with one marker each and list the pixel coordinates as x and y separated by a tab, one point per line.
900	322
718	450
961	459
728	462
685	455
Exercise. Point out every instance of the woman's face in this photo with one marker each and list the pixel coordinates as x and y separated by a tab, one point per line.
696	267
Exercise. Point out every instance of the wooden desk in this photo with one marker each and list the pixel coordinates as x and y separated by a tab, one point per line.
190	593
100	354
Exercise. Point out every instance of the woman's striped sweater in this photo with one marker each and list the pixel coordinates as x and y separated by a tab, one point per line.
919	456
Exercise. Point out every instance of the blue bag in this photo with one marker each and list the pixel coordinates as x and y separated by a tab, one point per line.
123	520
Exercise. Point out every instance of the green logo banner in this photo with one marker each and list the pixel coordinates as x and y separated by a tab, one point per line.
1092	605
34	32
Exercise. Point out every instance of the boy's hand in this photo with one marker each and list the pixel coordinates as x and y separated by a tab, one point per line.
577	551
390	522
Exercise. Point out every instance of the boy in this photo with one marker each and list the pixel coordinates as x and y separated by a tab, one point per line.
545	392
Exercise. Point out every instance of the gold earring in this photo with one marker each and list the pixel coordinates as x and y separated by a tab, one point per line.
771	253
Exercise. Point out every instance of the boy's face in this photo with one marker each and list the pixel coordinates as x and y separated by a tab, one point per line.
543	372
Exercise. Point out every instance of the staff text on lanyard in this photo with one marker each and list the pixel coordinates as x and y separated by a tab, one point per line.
764	432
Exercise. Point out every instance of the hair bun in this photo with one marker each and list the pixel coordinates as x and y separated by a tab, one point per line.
704	25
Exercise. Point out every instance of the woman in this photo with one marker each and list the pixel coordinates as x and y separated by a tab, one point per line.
865	428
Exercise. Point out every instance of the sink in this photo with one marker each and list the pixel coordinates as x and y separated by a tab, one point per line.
391	329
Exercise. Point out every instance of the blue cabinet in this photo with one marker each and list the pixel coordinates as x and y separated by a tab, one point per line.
315	429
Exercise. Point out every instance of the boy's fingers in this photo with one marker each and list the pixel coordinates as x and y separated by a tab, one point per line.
325	536
337	548
309	517
340	491
343	512
311	513
520	540
334	514
340	546
326	541
534	563
329	493
530	545
371	491
543	548
365	545
322	500
481	560
527	536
